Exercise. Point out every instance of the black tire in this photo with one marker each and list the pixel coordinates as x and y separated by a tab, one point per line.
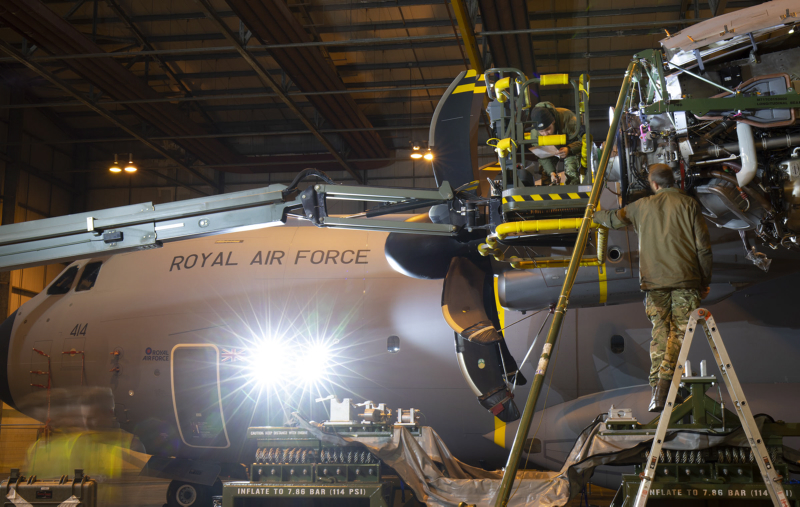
187	494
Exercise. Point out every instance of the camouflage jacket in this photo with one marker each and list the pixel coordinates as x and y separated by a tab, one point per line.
674	246
566	123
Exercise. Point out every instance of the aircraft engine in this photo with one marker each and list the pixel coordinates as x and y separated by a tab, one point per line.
742	165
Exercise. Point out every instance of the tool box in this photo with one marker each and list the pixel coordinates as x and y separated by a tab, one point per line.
80	491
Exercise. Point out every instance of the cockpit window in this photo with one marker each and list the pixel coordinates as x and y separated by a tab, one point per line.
64	282
89	276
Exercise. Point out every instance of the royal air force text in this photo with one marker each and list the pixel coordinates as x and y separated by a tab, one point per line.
269	258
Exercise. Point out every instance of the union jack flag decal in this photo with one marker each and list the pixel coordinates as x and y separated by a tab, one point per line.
231	355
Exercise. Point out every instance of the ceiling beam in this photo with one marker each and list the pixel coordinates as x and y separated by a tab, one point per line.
142	40
268	82
384	66
268	133
273	106
214	97
613	30
7	49
601	13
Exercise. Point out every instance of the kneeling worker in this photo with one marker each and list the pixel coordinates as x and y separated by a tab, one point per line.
550	120
674	267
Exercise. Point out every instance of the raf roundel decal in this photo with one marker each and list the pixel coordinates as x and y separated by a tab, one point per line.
148	351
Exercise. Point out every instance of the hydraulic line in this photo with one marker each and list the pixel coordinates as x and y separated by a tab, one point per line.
558	317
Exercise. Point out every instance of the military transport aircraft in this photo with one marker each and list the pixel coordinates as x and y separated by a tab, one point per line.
203	337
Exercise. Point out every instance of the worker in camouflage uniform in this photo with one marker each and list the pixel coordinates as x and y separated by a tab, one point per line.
674	267
550	120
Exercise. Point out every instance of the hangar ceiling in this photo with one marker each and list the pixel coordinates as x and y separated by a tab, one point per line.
254	86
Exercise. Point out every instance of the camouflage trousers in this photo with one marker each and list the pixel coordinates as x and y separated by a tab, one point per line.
572	169
669	311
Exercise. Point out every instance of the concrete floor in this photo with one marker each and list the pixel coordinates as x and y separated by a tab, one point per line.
132	491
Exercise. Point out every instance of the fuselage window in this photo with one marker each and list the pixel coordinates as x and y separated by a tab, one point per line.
89	276
64	282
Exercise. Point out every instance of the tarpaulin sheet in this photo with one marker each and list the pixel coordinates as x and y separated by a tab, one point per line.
438	478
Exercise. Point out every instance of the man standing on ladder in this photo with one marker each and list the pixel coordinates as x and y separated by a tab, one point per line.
674	267
550	120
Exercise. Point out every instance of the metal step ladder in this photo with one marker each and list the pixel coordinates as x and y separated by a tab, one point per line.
771	479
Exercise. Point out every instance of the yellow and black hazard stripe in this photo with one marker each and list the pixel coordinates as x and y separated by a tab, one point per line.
545	197
472	87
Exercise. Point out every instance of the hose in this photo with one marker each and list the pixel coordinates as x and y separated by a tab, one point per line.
747	148
305	173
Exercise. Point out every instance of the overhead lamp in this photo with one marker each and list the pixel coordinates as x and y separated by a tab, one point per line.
130	168
429	155
115	168
415	154
792	30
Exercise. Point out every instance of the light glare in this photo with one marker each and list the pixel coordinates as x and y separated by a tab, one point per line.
286	362
315	362
269	362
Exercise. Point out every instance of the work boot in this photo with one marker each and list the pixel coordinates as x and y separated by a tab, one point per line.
659	396
546	179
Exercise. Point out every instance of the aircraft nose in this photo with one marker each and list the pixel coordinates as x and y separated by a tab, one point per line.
5	344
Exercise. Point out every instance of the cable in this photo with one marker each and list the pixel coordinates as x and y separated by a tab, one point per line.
523	318
503	362
302	175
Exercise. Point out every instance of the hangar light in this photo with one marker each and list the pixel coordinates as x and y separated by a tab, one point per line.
115	168
429	155
130	167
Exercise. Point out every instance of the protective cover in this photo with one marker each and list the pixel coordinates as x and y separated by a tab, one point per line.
439	479
753	19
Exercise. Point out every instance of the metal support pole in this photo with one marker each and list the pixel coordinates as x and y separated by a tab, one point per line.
555	328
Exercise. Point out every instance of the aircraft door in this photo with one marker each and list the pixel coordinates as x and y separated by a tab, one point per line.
196	396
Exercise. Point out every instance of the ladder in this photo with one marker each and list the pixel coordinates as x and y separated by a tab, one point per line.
771	479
